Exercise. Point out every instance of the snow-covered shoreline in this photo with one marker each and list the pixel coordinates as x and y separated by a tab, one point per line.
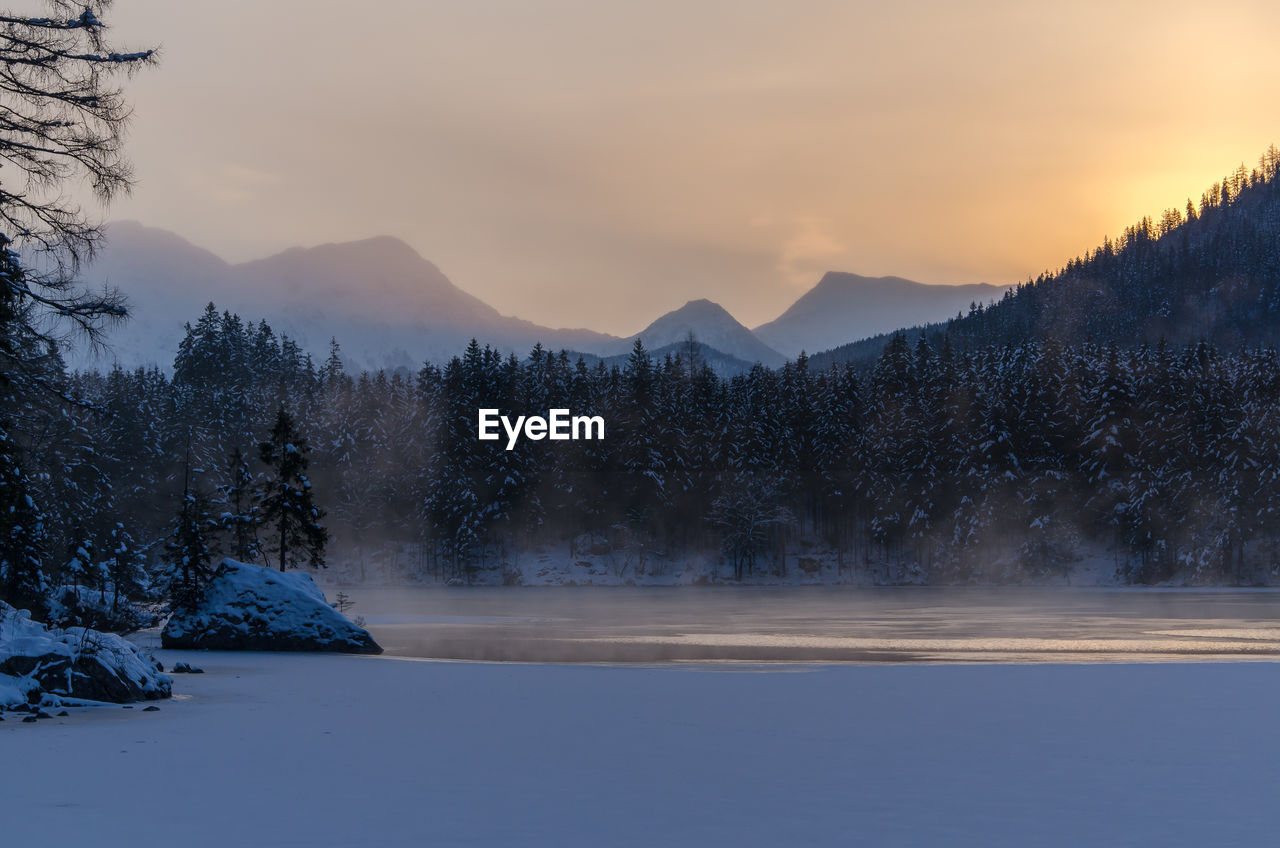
290	750
38	663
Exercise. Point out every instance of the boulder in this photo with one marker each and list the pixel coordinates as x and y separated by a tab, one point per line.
250	608
36	661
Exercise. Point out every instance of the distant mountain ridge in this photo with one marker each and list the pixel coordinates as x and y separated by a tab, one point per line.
843	307
707	322
1209	274
402	311
390	308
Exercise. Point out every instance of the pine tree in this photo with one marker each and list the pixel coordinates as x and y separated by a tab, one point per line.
189	550
333	371
22	534
124	567
240	515
288	504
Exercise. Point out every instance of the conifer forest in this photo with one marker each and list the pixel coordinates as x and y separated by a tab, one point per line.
1078	414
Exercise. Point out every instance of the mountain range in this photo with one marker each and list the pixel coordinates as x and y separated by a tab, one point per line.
844	307
389	307
707	322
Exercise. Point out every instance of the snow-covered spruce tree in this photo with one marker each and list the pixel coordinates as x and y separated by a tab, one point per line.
240	514
288	507
455	502
641	453
22	536
189	550
125	567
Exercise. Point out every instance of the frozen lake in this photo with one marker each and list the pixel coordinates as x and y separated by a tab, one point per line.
805	624
328	751
929	736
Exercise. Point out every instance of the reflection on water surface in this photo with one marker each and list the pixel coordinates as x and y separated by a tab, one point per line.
821	624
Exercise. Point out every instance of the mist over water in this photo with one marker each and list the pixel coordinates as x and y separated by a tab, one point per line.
803	624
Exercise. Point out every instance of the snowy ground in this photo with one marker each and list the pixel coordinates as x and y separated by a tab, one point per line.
281	750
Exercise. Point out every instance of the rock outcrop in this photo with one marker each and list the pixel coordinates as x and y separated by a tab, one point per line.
36	661
251	608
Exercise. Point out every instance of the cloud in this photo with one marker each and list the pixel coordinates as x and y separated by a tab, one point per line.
231	184
809	251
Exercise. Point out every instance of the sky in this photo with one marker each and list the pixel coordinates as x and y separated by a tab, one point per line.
586	163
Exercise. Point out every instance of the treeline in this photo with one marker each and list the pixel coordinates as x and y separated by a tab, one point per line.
1003	445
938	465
116	497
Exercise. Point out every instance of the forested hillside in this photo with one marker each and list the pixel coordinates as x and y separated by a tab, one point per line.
1210	271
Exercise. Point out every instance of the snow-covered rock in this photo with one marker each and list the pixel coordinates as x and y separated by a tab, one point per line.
77	662
251	608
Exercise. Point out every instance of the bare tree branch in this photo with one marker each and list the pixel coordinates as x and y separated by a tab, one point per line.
63	118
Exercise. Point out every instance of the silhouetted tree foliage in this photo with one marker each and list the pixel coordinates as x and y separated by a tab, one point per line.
288	509
189	551
61	121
